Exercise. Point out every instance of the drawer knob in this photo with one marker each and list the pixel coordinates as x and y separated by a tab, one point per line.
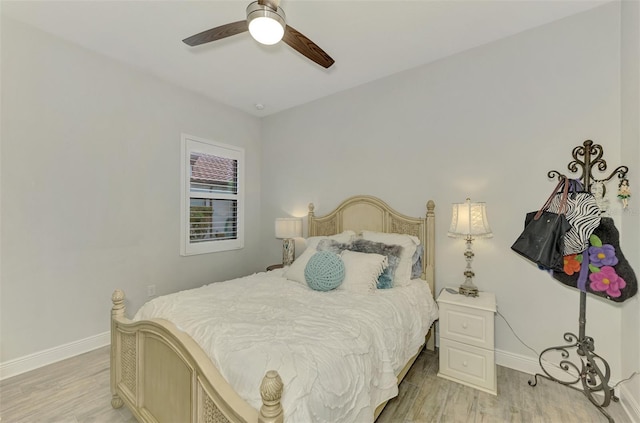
464	363
464	325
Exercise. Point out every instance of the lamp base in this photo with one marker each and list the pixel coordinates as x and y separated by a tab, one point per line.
468	288
288	251
468	291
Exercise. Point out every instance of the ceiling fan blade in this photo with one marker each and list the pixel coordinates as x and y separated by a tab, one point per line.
306	47
217	33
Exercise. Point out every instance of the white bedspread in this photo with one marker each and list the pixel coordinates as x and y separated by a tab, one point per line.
338	352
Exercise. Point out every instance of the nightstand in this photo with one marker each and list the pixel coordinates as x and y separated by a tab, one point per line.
274	266
467	349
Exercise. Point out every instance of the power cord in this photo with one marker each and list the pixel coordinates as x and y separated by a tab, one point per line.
526	345
515	334
554	364
636	373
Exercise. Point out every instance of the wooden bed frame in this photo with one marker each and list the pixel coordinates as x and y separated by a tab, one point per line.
163	375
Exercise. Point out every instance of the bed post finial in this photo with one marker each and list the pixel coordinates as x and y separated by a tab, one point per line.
117	298
271	392
311	208
431	206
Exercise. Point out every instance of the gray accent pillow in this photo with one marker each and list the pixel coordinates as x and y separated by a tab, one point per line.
333	246
392	252
416	267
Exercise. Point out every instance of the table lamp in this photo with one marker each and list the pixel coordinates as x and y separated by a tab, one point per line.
469	221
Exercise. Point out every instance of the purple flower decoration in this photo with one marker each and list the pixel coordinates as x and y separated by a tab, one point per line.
604	255
607	280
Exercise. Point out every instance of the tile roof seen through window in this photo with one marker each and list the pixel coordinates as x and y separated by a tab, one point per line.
206	168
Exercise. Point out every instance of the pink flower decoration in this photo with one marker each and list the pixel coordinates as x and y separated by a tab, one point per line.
607	280
603	256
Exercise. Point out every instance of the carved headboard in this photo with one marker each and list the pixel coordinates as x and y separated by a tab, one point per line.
365	212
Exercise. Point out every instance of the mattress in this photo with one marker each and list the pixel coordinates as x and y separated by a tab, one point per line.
338	352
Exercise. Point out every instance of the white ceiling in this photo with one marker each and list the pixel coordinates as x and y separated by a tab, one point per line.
368	40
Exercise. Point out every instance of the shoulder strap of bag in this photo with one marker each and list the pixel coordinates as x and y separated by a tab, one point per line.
564	183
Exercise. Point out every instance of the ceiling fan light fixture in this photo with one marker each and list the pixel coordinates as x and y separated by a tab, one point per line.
266	25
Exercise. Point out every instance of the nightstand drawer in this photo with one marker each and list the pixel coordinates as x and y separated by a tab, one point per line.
464	324
468	365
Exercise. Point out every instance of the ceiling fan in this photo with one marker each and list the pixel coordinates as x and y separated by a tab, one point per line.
266	23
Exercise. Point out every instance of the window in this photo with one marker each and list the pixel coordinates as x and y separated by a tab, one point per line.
212	212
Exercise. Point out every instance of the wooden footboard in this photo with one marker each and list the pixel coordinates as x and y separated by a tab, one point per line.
162	375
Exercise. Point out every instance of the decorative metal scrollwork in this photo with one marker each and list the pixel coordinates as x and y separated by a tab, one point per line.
592	154
584	367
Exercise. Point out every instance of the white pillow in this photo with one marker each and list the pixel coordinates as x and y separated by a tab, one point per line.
409	244
344	237
361	270
295	272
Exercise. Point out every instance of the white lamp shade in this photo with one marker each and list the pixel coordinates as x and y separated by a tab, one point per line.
469	219
288	227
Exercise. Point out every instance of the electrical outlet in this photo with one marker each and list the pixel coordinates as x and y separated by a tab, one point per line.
151	290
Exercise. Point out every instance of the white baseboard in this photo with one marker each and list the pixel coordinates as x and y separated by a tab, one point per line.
521	363
629	404
53	355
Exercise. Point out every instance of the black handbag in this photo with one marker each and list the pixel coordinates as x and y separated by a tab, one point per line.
601	269
542	240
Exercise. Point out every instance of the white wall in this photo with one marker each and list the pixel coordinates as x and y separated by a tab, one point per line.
488	124
91	191
630	78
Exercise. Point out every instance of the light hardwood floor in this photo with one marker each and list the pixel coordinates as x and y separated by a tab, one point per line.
77	391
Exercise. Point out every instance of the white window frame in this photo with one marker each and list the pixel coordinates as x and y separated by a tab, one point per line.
191	144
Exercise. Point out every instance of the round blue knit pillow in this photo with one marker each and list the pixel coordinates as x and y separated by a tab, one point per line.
324	271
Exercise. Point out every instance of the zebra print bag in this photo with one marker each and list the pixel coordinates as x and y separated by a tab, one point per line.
583	215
